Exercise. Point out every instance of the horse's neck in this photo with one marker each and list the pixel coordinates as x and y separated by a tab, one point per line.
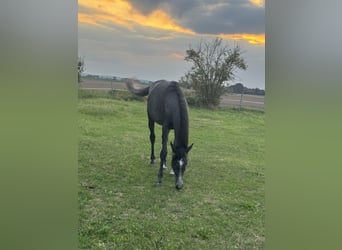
181	133
181	122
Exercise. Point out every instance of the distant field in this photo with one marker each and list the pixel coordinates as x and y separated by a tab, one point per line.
222	203
227	100
101	84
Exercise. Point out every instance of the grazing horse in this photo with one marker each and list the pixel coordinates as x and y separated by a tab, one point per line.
167	106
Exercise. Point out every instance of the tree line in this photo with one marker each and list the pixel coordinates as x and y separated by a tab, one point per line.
238	88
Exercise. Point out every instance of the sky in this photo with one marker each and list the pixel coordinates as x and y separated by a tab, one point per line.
148	39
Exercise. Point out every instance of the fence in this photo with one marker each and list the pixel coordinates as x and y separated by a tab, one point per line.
227	100
243	101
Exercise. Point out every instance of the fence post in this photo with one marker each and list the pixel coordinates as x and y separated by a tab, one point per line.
241	98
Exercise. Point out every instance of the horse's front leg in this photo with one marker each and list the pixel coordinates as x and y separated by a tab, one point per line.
163	154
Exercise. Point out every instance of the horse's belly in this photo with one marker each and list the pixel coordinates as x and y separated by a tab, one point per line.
162	123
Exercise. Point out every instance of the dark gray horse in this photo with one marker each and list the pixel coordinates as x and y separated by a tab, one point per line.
167	106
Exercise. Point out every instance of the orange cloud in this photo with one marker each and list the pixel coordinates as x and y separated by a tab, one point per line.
159	19
259	3
251	38
123	13
177	56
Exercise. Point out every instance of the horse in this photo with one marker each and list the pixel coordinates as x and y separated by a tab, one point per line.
167	106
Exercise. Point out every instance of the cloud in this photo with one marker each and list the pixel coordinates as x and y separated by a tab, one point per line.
177	56
251	38
211	16
229	19
176	8
105	12
259	3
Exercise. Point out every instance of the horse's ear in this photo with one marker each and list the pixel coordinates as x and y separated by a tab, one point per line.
173	149
189	148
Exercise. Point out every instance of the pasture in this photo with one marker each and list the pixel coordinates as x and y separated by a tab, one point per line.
221	205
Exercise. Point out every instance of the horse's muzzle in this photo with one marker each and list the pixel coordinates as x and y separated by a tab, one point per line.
179	182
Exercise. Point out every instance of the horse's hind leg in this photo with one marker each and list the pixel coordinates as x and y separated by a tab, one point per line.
163	154
152	139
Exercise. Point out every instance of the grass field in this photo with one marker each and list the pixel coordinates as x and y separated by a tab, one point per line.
220	207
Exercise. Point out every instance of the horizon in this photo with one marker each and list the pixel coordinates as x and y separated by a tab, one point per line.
110	77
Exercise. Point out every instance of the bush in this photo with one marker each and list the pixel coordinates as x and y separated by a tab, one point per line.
124	95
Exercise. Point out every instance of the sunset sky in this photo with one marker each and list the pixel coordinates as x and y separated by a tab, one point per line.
147	39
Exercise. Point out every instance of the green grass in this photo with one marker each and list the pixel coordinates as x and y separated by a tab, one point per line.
220	207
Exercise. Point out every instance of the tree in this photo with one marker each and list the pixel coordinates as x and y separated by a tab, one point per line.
80	67
239	88
213	64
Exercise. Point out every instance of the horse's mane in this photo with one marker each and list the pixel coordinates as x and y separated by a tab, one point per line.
184	119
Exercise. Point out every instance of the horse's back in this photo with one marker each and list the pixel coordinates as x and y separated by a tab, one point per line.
163	101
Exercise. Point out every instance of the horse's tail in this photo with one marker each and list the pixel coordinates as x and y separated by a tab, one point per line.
139	92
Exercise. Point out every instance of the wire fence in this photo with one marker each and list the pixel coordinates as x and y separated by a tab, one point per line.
246	101
243	101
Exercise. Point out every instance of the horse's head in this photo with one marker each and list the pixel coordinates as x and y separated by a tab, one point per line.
179	162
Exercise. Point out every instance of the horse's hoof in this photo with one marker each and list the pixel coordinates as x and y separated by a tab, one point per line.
172	172
159	184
